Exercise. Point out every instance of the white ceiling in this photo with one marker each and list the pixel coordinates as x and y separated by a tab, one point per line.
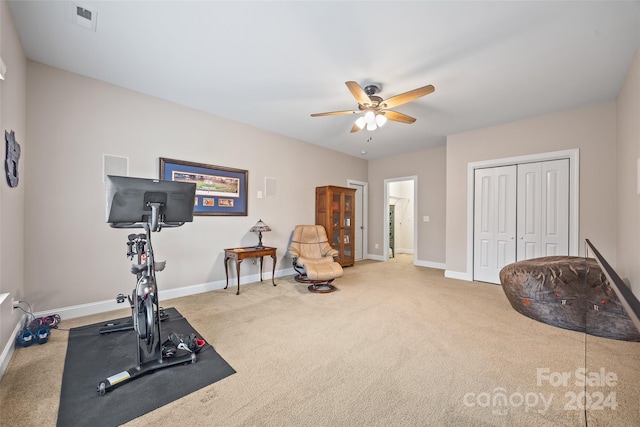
271	64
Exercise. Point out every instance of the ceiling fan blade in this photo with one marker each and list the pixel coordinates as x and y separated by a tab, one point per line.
358	93
398	117
335	113
403	98
355	128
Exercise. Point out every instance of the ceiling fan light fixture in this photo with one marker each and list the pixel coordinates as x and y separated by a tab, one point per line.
369	117
375	110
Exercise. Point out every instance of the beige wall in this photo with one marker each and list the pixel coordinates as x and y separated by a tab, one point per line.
12	117
591	129
73	121
628	153
429	167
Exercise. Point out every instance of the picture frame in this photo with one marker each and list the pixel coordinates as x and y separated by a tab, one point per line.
220	190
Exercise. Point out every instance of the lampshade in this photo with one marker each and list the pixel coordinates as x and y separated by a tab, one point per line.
369	117
360	122
260	227
372	126
381	119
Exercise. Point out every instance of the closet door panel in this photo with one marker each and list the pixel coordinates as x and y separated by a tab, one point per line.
529	211
543	209
494	221
555	205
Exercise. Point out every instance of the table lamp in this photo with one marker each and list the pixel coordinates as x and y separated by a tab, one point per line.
259	228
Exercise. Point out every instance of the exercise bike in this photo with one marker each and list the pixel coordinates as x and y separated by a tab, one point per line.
136	244
145	317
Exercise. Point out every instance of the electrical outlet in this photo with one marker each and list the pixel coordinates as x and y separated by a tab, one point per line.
14	304
377	246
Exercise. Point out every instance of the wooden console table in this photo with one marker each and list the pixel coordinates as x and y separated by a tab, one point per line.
239	254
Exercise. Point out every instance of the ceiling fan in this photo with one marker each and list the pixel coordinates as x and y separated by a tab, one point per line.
377	110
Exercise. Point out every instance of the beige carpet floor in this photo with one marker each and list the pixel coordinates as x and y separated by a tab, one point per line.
397	345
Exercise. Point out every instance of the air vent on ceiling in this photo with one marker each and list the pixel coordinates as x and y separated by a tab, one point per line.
84	17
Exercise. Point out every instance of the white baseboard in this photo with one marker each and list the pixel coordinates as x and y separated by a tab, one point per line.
111	305
429	264
403	251
8	350
458	275
419	263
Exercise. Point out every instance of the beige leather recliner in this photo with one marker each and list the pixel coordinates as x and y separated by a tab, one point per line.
314	259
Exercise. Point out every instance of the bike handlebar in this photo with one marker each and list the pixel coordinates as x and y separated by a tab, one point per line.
143	224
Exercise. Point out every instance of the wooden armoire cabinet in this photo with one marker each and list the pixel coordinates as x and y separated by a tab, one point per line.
335	210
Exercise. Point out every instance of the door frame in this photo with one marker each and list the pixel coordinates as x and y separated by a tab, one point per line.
574	194
365	214
385	252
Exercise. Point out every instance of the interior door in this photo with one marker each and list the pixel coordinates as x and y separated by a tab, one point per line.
543	209
494	221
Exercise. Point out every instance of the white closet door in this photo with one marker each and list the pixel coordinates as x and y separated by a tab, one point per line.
494	222
529	210
543	209
555	212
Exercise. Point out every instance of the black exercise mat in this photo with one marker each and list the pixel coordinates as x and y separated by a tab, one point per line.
92	357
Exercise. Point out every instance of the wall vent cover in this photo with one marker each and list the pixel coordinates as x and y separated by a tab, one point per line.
84	17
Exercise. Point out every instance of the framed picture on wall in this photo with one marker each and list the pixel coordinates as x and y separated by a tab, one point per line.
219	190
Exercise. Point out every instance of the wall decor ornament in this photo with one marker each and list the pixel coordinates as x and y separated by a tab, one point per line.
220	190
13	155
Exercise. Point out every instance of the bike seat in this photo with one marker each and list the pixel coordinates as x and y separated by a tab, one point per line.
139	268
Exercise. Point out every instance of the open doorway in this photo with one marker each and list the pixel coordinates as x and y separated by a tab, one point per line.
400	233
